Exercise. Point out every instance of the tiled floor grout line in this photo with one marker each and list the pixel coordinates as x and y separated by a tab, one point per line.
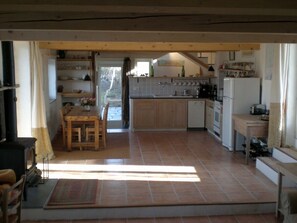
213	177
174	189
191	144
140	149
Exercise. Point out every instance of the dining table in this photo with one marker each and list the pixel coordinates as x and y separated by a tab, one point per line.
78	115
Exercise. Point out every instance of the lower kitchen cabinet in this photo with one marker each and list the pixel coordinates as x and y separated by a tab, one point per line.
171	114
159	114
165	114
180	116
144	114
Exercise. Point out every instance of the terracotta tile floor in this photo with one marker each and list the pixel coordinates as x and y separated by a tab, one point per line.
169	168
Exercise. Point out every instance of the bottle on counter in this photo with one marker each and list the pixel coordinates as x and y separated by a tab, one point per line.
152	73
183	71
215	92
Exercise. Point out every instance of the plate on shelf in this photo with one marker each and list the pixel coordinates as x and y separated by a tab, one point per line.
75	78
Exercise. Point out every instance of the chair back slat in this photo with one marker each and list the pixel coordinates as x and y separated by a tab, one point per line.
11	201
105	114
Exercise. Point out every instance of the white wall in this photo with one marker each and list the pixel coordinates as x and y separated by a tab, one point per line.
23	93
268	55
52	107
191	68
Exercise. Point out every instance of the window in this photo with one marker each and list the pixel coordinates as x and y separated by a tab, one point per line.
143	67
52	91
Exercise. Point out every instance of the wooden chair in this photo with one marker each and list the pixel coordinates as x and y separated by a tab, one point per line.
90	131
11	202
76	131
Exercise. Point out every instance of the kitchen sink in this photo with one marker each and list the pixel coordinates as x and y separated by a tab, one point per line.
173	96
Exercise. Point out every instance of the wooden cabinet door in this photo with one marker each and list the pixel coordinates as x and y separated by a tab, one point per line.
165	114
180	114
144	114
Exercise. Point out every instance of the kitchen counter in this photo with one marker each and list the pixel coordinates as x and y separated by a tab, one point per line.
142	97
161	112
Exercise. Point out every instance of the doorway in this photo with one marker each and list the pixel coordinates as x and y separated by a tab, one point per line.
109	89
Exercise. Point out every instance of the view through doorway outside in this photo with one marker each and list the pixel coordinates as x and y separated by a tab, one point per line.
109	89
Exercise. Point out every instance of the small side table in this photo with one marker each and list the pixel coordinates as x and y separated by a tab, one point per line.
248	126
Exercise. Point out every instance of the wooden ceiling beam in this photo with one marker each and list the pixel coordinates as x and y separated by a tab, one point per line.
147	47
80	22
252	21
129	36
226	7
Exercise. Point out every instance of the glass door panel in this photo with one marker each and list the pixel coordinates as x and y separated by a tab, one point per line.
110	90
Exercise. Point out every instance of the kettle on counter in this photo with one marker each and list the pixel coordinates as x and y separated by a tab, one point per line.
257	109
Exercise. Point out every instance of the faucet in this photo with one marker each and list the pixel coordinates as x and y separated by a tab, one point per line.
186	92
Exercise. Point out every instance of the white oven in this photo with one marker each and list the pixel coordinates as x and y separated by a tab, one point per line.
217	118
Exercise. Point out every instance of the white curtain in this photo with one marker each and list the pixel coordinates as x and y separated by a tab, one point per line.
39	127
290	121
284	74
282	124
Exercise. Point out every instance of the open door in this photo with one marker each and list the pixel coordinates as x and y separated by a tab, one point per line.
109	89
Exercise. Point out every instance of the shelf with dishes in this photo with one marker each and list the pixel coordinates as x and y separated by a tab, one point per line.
76	94
238	69
73	69
74	59
74	78
75	74
238	72
179	78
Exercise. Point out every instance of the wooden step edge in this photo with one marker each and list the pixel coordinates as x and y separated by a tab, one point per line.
288	151
270	161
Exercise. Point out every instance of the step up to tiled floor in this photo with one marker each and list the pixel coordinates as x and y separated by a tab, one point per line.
33	208
268	165
149	211
285	155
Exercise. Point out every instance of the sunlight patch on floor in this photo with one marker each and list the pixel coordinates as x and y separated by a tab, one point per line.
123	168
124	172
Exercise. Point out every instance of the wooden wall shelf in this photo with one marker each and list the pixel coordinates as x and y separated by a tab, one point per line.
76	95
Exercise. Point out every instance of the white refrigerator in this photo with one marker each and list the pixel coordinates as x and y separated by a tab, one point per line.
238	96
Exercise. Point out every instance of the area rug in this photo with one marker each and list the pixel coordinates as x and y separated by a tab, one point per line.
70	193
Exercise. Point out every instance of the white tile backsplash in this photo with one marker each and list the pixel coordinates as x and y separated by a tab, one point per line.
146	86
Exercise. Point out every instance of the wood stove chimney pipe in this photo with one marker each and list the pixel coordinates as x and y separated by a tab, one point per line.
9	95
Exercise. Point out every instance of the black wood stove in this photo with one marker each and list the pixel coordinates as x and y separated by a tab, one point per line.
20	156
15	153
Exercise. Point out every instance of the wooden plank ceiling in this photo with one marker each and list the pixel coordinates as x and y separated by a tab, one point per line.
171	25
